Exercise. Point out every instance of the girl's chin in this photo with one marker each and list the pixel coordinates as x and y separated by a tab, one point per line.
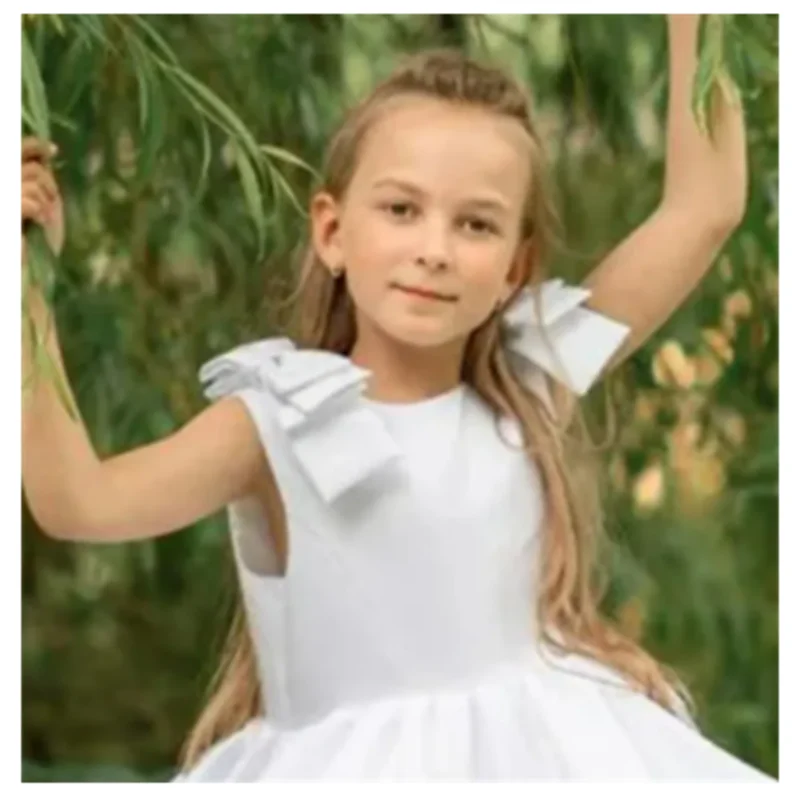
421	332
414	327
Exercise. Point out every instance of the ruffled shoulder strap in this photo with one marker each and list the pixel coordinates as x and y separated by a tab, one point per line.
337	440
547	330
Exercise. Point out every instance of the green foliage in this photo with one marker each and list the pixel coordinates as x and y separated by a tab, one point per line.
184	150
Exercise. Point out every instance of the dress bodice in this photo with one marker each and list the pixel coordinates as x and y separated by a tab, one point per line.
400	643
412	528
418	576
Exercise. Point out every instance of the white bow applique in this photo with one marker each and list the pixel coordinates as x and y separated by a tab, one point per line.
336	439
547	330
339	441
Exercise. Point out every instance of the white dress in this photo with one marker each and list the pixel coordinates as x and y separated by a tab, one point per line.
400	643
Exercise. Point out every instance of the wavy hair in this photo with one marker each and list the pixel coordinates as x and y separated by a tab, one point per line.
570	586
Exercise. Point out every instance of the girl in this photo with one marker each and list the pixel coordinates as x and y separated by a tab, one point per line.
414	547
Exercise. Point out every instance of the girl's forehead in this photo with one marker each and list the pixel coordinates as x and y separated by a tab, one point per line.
436	138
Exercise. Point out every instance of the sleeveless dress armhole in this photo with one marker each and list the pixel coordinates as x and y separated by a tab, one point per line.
319	438
235	374
252	539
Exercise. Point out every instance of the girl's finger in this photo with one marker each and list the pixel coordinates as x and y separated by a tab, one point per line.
37	149
35	192
35	189
48	183
31	169
34	172
51	185
33	210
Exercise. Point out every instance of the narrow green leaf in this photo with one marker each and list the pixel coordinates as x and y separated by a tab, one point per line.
164	50
27	118
52	373
252	195
708	62
59	120
90	26
290	158
151	104
76	69
205	162
33	91
40	272
280	182
248	154
30	339
728	86
57	23
218	110
41	261
26	283
141	73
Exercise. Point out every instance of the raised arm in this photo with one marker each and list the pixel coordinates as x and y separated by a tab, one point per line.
650	273
74	494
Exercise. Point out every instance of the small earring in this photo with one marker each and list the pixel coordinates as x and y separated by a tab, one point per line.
336	272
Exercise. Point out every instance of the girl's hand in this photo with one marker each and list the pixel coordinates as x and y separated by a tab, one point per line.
41	200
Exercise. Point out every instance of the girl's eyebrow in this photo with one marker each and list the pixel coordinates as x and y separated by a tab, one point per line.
398	183
489	204
493	203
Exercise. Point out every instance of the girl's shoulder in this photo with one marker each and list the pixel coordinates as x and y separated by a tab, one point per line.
306	405
276	365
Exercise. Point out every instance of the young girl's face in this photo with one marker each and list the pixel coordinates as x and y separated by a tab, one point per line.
428	230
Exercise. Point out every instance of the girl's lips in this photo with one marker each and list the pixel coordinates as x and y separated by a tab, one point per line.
426	293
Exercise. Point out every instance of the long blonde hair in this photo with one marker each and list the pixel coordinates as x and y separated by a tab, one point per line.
569	585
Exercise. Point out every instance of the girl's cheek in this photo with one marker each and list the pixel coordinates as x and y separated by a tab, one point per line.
486	265
390	245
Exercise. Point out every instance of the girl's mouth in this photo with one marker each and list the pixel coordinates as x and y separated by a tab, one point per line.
428	294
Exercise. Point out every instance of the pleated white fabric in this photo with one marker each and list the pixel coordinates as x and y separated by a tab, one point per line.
400	643
527	721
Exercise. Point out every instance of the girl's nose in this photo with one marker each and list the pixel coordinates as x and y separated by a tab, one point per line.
433	263
435	252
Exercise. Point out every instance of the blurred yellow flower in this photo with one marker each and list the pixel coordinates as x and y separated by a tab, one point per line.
771	284
719	344
737	305
672	367
645	407
733	426
725	268
648	488
126	155
708	476
709	369
684	437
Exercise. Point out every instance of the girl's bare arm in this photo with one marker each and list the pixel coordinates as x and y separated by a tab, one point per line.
152	490
646	277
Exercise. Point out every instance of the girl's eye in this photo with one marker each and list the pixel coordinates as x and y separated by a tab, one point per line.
479	226
400	209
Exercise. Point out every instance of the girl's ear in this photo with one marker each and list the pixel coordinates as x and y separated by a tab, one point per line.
326	230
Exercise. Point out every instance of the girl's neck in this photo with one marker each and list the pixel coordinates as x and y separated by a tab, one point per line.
404	373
